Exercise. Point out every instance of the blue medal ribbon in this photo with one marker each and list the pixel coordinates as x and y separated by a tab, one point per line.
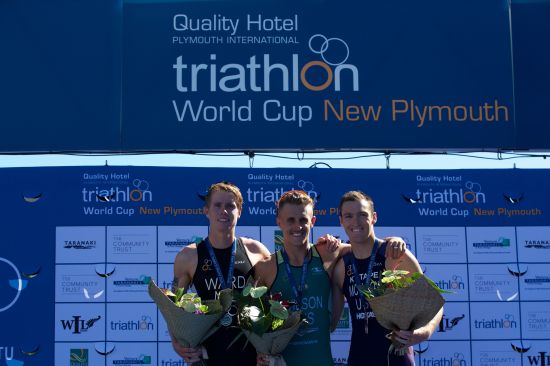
298	292
223	282
356	278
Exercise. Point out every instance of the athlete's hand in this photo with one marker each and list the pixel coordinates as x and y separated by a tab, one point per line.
332	242
189	355
408	337
395	248
262	359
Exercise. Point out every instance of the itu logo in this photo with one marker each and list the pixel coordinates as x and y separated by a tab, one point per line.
12	281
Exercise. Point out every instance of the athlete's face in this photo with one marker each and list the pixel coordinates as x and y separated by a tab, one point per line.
296	222
222	212
357	218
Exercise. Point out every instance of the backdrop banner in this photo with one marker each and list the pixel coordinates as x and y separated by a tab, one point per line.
349	74
80	244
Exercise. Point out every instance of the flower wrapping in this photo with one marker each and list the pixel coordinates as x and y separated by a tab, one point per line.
274	342
190	329
407	308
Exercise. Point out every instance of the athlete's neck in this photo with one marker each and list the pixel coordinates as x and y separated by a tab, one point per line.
363	249
221	240
296	254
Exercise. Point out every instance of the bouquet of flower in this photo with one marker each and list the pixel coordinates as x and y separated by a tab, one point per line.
404	303
190	320
267	322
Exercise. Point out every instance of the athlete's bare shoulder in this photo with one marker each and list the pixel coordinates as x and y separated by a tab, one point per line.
256	251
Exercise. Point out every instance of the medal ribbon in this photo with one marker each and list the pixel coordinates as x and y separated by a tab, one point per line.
356	278
298	292
224	283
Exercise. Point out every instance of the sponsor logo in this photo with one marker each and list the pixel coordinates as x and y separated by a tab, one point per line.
537	244
136	191
454	284
140	360
77	325
499	243
541	359
180	243
79	244
507	322
143	324
447	324
334	53
457	359
128	282
75	286
171	362
537	280
78	357
471	193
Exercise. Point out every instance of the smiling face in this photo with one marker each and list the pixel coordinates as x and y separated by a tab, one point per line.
358	218
222	211
296	221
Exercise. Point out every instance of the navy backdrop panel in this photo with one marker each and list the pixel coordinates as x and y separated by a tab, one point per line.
85	240
260	65
59	72
63	62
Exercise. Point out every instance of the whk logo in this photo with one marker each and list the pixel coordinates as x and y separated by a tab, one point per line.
78	325
542	359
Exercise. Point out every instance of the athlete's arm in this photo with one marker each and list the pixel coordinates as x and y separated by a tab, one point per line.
265	271
256	251
185	266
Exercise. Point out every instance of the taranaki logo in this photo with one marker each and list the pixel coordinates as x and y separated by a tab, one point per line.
537	244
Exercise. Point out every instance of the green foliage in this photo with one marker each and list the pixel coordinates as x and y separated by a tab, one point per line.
393	280
257	310
190	302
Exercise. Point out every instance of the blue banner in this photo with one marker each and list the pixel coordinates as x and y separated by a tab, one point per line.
317	75
138	75
80	244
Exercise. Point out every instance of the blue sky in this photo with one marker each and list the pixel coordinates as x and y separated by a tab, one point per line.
354	160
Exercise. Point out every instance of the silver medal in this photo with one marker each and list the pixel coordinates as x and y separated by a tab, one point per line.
226	320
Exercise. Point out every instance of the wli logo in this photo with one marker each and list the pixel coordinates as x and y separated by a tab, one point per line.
447	324
542	359
78	325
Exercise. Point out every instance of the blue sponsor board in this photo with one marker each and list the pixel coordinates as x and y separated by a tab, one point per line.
80	243
196	73
186	74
